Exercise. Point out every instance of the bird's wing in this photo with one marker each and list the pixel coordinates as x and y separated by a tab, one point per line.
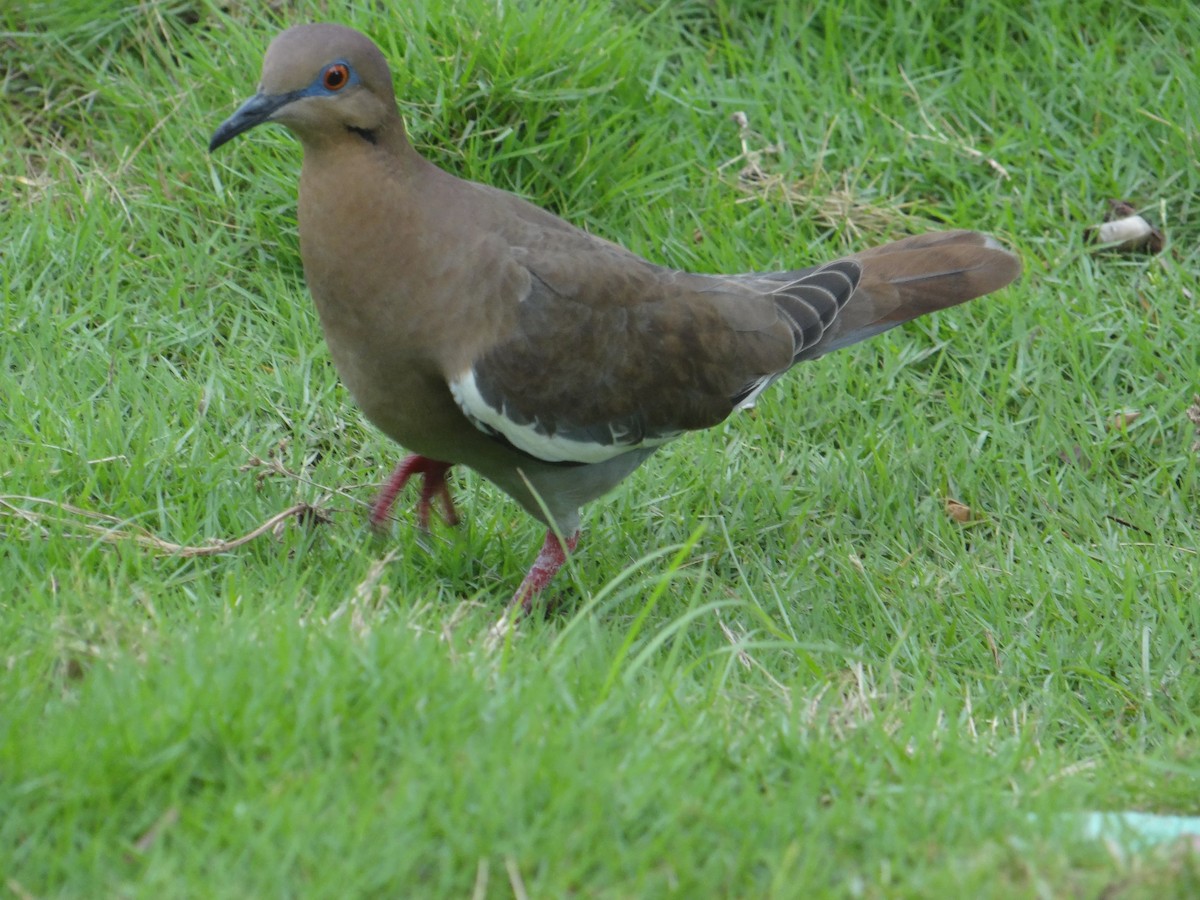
608	353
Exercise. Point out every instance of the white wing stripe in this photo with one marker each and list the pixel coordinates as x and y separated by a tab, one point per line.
552	448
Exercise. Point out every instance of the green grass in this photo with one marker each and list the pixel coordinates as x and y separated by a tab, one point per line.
778	667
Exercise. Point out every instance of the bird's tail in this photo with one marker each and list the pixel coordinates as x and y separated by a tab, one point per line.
914	276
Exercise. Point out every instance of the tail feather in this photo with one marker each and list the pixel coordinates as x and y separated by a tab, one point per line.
915	276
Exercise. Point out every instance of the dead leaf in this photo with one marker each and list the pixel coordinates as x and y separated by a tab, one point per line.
1076	456
958	511
1122	420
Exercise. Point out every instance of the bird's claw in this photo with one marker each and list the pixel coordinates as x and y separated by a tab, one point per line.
433	485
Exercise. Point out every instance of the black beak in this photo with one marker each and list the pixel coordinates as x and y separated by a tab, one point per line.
255	111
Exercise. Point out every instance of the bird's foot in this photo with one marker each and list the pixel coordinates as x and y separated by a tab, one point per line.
549	560
433	485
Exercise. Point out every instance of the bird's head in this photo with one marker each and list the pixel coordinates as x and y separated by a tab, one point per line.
319	81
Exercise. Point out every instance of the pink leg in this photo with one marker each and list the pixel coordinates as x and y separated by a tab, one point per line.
549	560
433	484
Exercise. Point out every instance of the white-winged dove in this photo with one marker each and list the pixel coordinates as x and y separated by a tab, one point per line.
476	329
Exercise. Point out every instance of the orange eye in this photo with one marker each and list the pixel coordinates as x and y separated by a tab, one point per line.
336	77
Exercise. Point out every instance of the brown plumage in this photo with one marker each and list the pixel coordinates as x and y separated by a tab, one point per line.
474	328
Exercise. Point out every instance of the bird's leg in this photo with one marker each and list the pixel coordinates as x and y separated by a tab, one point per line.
549	560
433	484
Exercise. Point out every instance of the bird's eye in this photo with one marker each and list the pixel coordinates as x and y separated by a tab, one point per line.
336	77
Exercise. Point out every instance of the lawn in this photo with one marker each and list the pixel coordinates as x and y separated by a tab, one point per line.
778	665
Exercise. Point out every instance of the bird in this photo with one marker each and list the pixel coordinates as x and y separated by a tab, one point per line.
477	329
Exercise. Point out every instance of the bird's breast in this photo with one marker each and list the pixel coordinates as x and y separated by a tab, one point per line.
404	298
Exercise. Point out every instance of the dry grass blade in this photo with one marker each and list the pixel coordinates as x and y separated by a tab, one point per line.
945	134
1193	414
737	641
362	595
515	880
155	831
837	205
113	533
479	891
